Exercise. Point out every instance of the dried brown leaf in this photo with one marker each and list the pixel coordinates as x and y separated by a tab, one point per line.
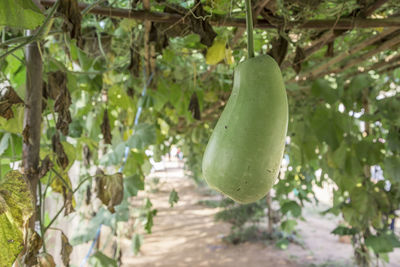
62	158
68	201
45	260
330	50
196	21
57	90
66	249
34	244
298	59
279	49
201	26
8	97
72	19
45	166
106	128
109	189
194	107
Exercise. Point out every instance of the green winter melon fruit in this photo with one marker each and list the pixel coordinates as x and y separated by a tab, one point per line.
243	156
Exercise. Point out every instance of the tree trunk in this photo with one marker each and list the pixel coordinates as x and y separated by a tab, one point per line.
32	117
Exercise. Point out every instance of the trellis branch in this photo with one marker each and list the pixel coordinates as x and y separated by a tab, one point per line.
324	66
344	23
384	46
380	66
330	35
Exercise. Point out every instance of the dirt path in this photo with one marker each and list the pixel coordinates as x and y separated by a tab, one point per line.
186	235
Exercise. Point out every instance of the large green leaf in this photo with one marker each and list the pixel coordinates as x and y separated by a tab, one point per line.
383	243
98	259
293	207
132	184
16	207
391	168
20	14
143	136
321	88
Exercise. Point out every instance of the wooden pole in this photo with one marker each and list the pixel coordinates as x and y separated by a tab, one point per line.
32	116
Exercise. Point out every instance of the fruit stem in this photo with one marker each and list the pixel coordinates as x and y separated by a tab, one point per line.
249	24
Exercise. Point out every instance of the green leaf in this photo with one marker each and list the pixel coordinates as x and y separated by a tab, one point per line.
291	206
325	130
288	226
391	168
173	198
98	259
383	243
143	136
342	230
132	184
117	97
137	240
149	220
322	89
4	142
282	243
20	14
16	207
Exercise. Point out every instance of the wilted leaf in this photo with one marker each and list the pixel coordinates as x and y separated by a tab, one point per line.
106	128
45	260
57	90
45	166
16	207
62	159
216	53
86	155
68	201
34	244
194	107
66	249
109	189
20	13
298	59
8	97
173	198
72	19
330	50
62	185
201	26
279	49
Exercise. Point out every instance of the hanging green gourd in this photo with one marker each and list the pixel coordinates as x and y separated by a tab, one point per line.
244	153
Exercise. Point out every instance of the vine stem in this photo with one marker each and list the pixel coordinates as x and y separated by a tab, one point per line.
249	26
